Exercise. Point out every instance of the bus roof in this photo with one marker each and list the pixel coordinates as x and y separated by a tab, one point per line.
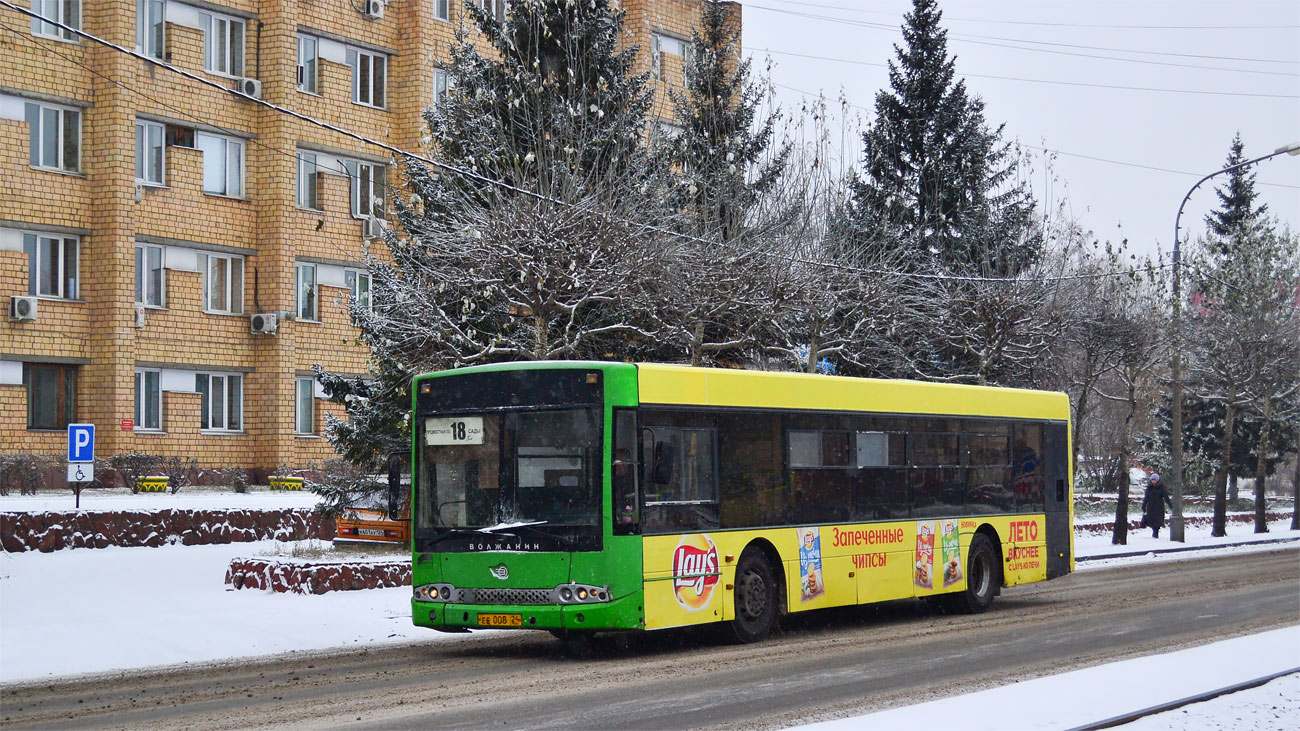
689	386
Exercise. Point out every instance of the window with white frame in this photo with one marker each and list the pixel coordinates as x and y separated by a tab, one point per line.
308	175
149	275
148	399
308	62
149	27
149	154
221	401
223	43
369	76
67	12
366	180
304	421
52	265
306	288
442	10
55	141
223	164
358	283
439	86
672	45
223	283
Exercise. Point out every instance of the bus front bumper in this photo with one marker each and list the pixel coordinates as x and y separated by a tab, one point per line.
620	614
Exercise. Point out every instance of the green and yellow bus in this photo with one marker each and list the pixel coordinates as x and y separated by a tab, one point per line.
579	497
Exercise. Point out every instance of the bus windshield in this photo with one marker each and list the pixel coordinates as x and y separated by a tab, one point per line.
528	477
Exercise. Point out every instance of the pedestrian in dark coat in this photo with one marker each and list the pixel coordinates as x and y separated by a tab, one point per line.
1153	505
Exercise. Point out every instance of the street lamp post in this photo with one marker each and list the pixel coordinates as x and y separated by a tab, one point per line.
1176	362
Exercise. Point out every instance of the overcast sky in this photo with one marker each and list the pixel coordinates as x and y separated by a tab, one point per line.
1247	53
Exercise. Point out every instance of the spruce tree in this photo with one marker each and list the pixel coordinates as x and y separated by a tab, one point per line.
724	154
525	242
1237	208
936	180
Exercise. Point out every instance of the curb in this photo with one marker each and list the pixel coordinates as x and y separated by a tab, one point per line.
1170	705
1180	549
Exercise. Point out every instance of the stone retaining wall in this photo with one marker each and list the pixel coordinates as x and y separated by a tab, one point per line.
51	531
316	578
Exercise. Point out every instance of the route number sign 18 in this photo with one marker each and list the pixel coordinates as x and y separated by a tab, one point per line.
452	431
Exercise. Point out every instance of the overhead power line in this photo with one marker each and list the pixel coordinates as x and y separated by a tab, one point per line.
1038	81
523	191
979	39
1048	23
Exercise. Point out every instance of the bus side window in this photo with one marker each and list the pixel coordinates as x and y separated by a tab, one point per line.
681	487
623	480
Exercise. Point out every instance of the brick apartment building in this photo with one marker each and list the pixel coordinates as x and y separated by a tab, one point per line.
150	216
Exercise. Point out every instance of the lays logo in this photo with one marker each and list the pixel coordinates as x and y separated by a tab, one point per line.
695	556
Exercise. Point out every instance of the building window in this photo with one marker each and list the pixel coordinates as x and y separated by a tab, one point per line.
439	86
55	137
307	63
223	283
442	10
359	285
304	405
223	164
51	395
367	183
52	265
223	44
67	12
661	44
221	401
148	152
149	25
369	76
308	174
149	275
306	288
148	400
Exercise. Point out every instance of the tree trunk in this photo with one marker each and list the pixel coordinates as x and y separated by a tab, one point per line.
1220	527
697	343
1261	467
541	337
813	352
1232	489
1295	491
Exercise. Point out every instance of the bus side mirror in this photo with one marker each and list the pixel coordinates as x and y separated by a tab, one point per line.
665	455
395	487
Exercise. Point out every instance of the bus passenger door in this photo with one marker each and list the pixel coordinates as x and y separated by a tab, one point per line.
1056	498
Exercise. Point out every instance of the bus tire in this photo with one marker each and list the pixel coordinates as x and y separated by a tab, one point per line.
983	576
755	598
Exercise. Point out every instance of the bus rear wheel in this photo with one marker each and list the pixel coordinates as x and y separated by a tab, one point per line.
983	575
755	598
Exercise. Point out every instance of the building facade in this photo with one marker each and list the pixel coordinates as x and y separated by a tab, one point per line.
147	219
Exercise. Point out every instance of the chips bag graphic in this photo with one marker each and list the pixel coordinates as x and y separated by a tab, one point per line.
810	564
951	538
923	573
695	571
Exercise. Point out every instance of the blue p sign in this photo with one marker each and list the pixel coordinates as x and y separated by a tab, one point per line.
81	442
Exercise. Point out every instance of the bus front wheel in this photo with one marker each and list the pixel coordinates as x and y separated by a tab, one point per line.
755	598
983	575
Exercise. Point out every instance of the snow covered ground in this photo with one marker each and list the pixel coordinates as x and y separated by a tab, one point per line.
1118	688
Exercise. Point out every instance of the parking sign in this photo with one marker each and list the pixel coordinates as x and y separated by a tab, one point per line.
81	442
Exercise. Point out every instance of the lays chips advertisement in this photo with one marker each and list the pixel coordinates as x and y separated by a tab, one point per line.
695	571
923	576
811	581
951	551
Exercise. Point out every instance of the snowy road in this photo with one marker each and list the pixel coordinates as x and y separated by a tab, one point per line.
835	664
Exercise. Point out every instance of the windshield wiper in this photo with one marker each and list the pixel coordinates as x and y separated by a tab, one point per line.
508	526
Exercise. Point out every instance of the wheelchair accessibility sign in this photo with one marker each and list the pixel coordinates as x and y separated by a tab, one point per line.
81	472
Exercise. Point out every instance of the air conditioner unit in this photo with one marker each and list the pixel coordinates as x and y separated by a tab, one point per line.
374	9
373	227
22	308
251	87
265	323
